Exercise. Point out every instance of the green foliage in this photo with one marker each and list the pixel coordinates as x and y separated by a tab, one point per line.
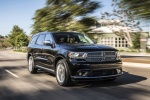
62	15
1	36
141	8
21	40
18	38
148	50
4	43
136	41
1	43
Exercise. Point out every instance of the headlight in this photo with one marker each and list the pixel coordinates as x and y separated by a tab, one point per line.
77	55
118	57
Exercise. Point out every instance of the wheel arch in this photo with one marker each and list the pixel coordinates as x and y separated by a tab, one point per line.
58	57
28	55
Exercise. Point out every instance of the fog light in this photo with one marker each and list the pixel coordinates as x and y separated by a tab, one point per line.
80	74
119	71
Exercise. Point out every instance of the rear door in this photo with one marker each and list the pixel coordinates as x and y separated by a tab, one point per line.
32	48
38	57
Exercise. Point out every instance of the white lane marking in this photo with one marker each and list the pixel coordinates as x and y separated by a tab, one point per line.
18	77
12	73
33	86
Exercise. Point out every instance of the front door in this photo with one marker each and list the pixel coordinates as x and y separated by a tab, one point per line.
49	53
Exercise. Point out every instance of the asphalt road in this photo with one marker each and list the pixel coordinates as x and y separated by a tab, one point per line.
17	84
136	59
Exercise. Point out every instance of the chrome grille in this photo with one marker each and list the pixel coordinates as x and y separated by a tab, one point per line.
109	58
101	56
110	53
94	59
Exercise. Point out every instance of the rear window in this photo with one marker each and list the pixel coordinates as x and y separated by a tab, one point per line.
40	40
33	40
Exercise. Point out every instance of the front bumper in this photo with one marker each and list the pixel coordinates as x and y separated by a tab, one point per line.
82	71
95	78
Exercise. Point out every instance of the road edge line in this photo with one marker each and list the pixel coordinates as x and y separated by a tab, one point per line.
12	73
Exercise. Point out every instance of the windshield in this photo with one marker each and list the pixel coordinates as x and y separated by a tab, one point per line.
74	38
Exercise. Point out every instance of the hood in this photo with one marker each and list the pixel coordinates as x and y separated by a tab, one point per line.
86	47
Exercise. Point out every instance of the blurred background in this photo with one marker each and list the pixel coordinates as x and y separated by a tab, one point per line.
122	24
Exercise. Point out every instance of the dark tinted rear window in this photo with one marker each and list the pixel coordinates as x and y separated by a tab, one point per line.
33	40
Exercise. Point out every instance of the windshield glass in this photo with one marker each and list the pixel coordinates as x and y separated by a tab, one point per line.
74	38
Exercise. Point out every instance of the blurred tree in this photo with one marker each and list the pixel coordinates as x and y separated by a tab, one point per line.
6	43
1	41
1	36
124	23
136	41
141	8
65	15
21	40
18	38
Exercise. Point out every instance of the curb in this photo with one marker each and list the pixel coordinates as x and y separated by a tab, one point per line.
18	52
136	65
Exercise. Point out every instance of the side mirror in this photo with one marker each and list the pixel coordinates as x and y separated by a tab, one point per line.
48	43
95	42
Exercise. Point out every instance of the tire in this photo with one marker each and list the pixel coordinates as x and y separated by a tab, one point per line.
62	73
31	66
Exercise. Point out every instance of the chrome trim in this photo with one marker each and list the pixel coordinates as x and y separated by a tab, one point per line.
101	56
46	54
41	58
45	68
97	77
100	69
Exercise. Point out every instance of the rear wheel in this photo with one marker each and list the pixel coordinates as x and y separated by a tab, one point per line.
62	73
31	66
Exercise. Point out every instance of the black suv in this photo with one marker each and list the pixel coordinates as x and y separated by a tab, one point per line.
73	57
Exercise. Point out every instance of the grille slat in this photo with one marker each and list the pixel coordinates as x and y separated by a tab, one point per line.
103	72
101	56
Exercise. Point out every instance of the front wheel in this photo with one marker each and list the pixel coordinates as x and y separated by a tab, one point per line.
62	73
31	66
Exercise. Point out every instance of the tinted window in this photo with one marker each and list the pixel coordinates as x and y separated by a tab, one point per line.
33	40
48	37
72	38
40	40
